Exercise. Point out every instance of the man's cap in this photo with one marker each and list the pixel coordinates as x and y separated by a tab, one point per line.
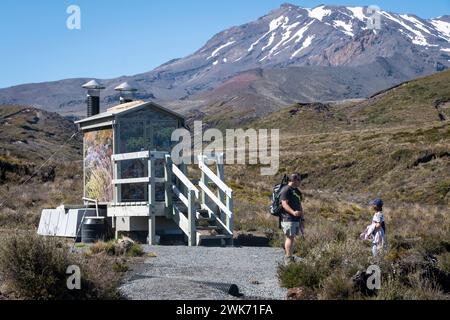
295	177
377	202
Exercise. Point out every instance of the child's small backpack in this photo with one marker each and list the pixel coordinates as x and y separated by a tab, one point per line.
276	208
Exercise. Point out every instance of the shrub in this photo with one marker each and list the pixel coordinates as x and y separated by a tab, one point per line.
113	248
338	287
135	251
33	267
300	275
444	262
417	288
120	266
103	247
391	290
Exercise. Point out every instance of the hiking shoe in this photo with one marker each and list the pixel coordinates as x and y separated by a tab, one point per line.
297	259
288	260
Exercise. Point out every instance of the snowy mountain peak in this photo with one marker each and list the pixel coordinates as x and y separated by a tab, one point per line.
339	48
305	36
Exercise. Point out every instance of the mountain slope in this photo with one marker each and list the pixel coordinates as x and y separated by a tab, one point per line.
286	39
40	165
413	103
393	145
254	93
29	137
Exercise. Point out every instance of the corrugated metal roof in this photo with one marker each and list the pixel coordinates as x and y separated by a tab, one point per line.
127	107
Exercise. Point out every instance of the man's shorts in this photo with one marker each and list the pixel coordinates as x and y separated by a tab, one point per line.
291	229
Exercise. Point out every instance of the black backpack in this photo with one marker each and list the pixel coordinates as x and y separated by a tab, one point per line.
276	209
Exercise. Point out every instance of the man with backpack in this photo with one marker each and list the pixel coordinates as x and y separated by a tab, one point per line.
292	215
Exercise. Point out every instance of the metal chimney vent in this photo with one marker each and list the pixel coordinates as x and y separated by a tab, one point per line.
93	97
126	92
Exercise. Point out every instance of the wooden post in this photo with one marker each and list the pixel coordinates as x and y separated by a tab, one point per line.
183	188
230	220
116	186
204	178
168	185
116	196
151	202
192	218
221	175
114	227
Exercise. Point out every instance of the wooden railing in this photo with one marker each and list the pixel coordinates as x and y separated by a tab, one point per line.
150	180
188	196
224	198
185	191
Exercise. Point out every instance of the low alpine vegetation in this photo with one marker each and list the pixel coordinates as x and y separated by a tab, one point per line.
34	267
415	265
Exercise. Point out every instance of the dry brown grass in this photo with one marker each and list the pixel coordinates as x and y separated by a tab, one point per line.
414	267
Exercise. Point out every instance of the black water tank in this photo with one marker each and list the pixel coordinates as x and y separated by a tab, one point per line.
93	229
93	106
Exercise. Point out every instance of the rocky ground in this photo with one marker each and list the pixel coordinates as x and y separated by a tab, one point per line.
201	273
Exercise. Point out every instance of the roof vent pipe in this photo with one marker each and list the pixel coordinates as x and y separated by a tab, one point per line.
93	97
126	92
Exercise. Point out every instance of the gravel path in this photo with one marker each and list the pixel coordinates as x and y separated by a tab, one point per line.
203	273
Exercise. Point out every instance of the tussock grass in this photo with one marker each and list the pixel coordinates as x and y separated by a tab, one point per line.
115	248
415	266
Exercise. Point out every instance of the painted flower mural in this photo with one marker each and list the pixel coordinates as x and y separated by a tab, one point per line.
98	149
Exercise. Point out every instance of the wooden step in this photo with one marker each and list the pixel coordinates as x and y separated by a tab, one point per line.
206	220
208	240
206	233
218	236
202	214
208	228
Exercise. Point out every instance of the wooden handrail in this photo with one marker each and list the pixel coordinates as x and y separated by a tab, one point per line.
180	175
131	181
180	196
131	156
217	219
156	155
216	200
211	175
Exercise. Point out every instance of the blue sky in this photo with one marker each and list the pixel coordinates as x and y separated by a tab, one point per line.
134	36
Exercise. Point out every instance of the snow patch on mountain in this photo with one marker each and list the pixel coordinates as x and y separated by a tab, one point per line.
358	13
216	52
417	23
271	40
443	28
418	38
319	13
285	36
299	34
347	28
305	45
273	25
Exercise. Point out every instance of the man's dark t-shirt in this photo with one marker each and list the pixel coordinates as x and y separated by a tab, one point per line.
294	198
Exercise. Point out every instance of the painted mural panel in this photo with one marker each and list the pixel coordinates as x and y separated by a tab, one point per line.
98	149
